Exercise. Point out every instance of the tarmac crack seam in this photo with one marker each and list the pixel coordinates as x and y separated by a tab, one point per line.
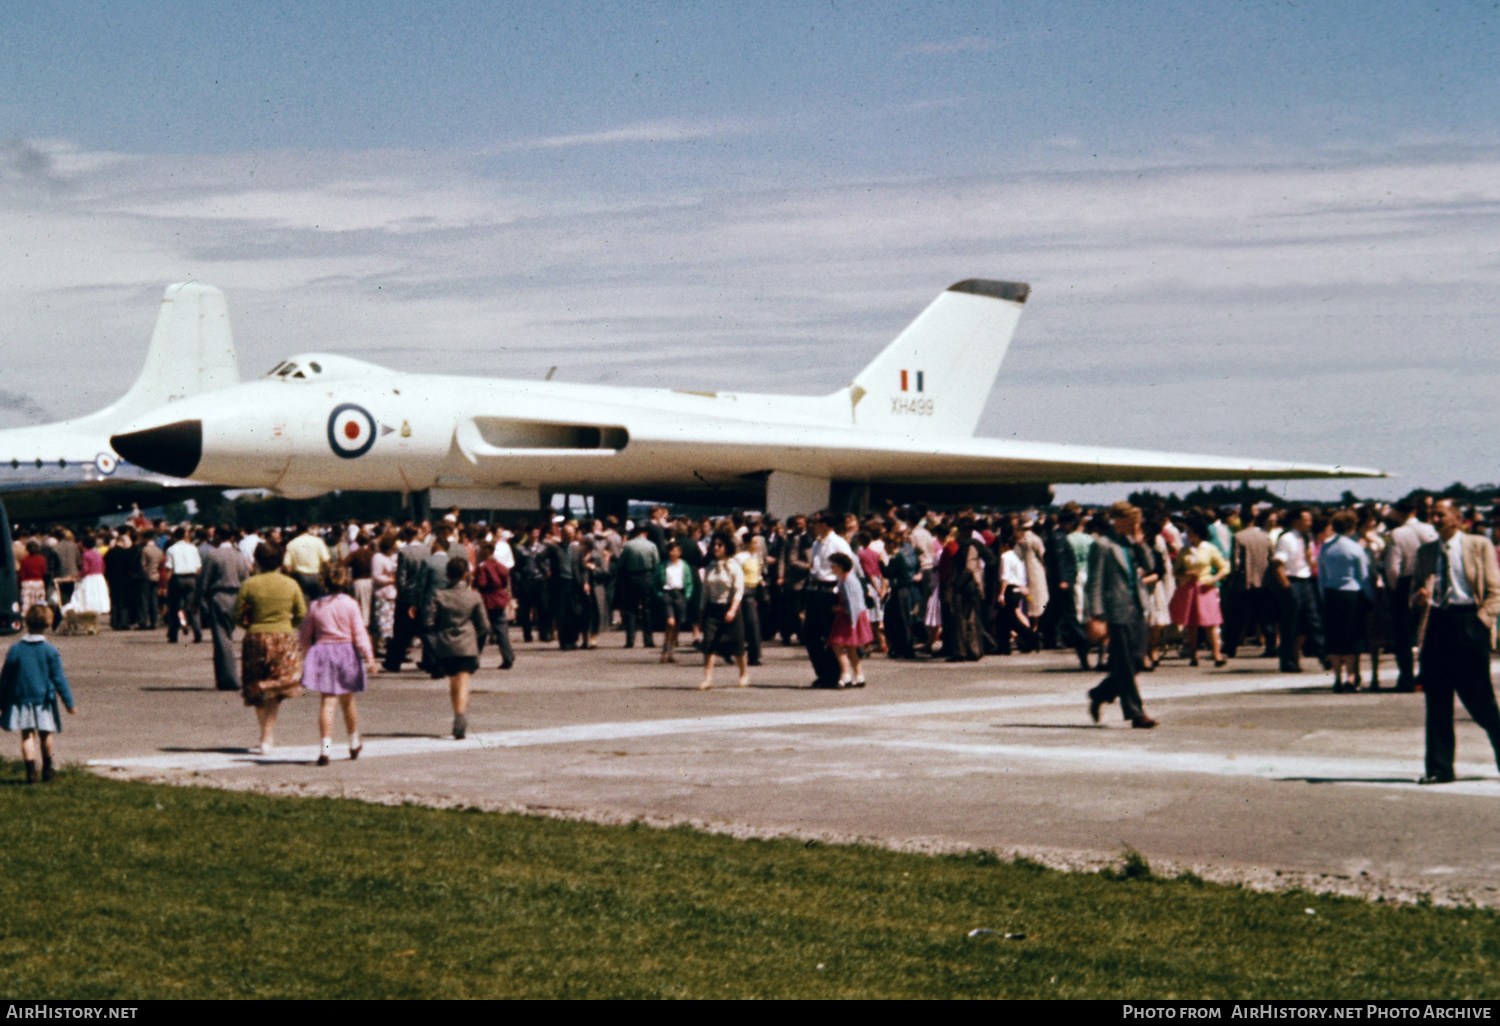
1290	768
206	762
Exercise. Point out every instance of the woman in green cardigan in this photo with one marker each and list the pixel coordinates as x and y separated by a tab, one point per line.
676	582
270	606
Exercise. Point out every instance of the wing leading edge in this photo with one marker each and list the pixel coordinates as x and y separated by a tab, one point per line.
871	457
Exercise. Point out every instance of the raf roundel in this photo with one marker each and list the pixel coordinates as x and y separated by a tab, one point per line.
105	463
351	431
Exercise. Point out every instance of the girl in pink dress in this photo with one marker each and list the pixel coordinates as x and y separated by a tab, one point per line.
337	655
851	622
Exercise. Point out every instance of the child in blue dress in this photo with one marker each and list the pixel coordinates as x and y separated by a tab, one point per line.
30	684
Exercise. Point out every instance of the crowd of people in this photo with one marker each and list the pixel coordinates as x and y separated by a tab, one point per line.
323	606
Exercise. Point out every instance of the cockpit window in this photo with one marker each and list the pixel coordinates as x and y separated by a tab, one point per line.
276	368
285	370
314	367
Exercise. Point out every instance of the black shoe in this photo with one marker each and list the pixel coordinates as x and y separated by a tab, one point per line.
1436	780
506	666
1290	668
831	685
1270	653
47	771
31	773
323	760
460	726
1094	706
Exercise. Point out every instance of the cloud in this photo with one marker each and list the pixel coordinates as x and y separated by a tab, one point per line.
967	44
24	405
1336	314
53	163
660	131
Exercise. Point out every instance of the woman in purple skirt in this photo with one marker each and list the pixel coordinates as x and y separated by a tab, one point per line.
337	655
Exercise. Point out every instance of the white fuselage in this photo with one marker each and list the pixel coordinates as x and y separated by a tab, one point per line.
440	431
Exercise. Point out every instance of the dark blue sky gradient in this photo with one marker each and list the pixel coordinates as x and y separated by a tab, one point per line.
838	89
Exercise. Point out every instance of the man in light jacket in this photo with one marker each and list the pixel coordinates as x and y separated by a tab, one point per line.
1457	583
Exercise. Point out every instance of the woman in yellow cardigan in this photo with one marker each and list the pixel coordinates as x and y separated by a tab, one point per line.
1200	566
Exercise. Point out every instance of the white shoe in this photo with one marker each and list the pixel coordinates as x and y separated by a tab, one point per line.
263	749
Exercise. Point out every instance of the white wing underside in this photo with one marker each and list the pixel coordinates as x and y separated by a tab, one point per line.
731	449
985	459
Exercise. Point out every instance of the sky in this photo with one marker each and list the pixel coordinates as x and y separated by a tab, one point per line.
1262	229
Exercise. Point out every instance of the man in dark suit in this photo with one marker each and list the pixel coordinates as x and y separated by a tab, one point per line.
409	562
1248	600
1060	619
1408	534
1457	582
637	575
123	575
568	582
225	568
1115	603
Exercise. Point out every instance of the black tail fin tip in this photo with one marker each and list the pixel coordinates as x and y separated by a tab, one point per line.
1015	291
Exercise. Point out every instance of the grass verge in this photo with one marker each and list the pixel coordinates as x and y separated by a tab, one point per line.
134	891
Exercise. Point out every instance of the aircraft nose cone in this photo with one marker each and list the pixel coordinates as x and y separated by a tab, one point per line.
172	449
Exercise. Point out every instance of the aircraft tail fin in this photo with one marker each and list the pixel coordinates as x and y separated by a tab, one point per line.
191	351
936	377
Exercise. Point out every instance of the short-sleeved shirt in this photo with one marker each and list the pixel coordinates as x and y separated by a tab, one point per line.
1291	552
821	568
306	554
183	559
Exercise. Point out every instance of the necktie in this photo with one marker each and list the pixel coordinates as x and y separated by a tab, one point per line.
1444	583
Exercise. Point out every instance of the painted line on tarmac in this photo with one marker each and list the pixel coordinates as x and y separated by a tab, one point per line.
1397	773
211	761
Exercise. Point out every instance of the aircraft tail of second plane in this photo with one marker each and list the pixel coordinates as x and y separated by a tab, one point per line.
191	351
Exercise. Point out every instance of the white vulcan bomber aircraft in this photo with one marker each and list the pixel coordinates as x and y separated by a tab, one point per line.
68	469
902	430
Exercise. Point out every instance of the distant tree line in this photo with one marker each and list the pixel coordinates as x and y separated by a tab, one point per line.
1220	496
